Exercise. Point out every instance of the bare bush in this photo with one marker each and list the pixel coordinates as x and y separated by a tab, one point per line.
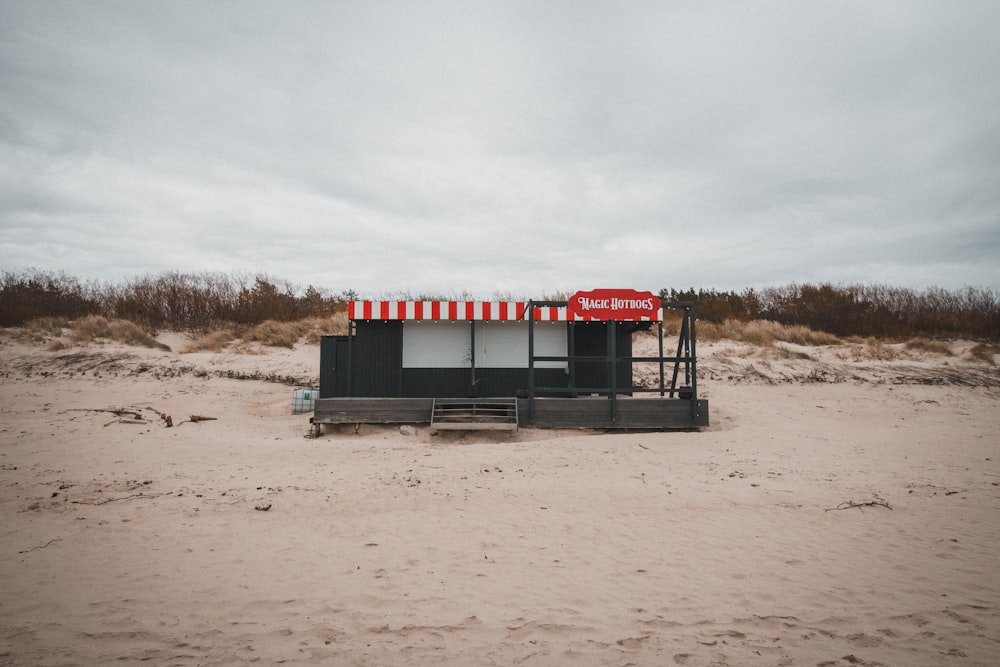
203	302
35	294
208	301
178	301
861	310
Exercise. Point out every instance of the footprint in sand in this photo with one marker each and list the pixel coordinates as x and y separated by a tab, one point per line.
863	640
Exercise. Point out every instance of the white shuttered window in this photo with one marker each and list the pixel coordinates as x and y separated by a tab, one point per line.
498	344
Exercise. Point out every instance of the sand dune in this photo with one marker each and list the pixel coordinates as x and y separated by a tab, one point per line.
841	510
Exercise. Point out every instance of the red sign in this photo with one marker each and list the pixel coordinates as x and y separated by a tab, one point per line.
614	304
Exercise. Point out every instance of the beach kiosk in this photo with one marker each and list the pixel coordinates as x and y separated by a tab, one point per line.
501	365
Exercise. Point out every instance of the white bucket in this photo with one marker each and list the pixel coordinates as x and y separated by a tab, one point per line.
303	400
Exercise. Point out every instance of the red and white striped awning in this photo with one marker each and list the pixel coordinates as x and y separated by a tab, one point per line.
459	311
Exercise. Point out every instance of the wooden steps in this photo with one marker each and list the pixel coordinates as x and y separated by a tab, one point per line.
474	414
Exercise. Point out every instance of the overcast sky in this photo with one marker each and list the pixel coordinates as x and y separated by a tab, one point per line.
504	148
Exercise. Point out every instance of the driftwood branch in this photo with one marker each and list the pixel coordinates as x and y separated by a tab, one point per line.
134	413
57	539
850	504
123	420
129	415
167	419
197	418
112	500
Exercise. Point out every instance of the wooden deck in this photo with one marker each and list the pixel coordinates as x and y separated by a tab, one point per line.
582	412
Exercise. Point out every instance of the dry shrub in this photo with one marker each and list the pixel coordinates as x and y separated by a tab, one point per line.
198	302
707	331
47	326
759	332
929	346
93	327
874	349
33	294
803	335
247	348
56	345
128	333
786	353
984	352
275	334
764	333
270	333
87	329
335	325
672	322
38	331
213	342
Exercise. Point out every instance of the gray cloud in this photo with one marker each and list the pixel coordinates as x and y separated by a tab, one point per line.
504	147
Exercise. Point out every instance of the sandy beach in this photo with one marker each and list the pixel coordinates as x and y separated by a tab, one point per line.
840	510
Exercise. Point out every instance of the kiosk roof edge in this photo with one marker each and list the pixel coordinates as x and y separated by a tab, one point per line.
487	311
